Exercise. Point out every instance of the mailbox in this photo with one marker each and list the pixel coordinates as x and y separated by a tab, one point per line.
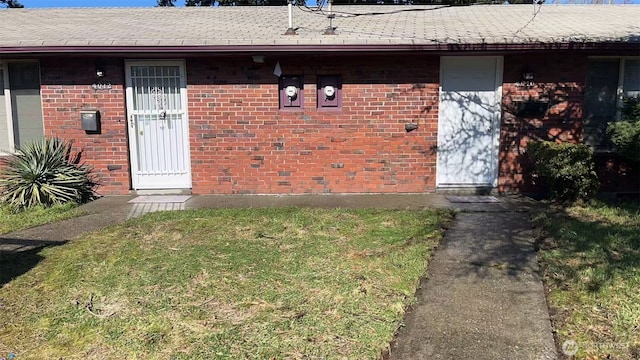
90	120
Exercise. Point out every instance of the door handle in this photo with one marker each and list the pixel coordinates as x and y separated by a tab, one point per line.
163	117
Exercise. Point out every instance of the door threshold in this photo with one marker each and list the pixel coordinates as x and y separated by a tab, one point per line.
467	190
163	192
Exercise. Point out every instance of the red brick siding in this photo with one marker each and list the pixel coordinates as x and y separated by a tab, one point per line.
66	90
241	142
560	78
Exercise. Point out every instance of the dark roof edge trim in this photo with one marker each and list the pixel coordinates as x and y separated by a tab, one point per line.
238	49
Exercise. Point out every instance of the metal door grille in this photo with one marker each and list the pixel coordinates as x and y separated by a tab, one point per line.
158	117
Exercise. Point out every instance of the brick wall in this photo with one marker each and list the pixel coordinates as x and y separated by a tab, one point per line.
549	108
241	142
66	90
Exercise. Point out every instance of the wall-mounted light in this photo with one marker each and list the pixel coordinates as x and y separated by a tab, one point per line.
527	75
258	59
100	83
100	72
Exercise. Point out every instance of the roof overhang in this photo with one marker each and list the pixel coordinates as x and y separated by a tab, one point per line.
311	49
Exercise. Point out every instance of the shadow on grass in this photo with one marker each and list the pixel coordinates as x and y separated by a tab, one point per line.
595	248
18	256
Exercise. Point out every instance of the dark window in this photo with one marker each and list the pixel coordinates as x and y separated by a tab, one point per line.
631	84
608	82
24	76
26	104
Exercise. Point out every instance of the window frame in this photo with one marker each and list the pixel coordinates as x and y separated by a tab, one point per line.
4	68
619	91
8	105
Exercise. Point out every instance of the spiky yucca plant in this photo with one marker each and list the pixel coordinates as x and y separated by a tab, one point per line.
45	172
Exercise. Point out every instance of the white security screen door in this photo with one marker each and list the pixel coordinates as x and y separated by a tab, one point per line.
468	121
158	125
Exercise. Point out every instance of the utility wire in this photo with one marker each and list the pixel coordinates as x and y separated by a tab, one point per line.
535	13
318	9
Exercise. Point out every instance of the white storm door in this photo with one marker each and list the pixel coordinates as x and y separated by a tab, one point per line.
158	124
469	121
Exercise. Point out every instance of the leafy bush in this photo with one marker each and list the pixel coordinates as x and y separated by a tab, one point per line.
625	134
567	169
45	172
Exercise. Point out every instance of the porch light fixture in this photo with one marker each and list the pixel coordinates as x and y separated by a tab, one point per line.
258	59
100	72
527	75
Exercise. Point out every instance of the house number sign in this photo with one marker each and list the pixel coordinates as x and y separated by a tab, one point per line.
101	86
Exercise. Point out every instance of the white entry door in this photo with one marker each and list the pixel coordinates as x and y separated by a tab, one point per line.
469	121
158	124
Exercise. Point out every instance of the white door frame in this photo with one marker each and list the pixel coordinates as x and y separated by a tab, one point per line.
131	126
497	120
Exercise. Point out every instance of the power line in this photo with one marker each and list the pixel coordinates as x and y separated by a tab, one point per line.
318	9
535	13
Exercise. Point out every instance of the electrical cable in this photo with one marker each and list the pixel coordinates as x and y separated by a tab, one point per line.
320	11
535	13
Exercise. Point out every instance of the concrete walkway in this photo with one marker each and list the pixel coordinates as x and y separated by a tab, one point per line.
482	299
113	210
99	214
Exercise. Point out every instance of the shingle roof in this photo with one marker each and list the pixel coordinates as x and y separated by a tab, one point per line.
265	26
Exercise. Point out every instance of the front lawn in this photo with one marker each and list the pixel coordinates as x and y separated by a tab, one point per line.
34	216
590	257
224	284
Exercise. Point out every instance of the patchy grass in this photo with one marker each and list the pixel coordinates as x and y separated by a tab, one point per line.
34	216
591	262
224	284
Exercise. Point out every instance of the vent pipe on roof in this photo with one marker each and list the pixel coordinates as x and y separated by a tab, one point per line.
290	30
330	30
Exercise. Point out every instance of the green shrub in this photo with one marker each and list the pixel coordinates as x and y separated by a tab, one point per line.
567	169
45	172
625	134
